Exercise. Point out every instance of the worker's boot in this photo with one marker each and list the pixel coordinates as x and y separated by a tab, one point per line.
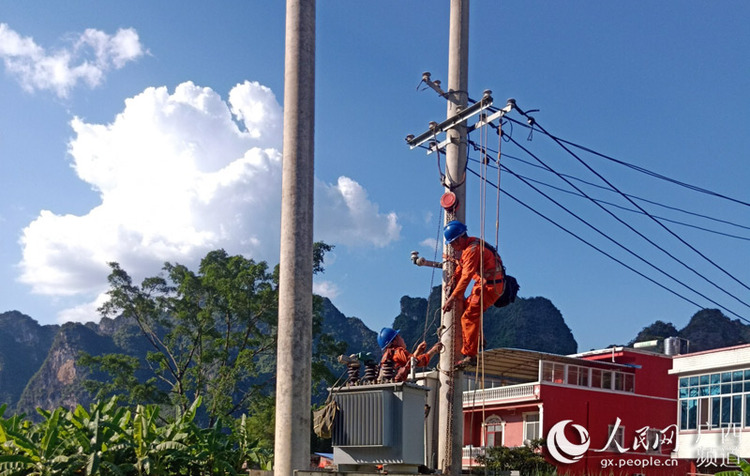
467	361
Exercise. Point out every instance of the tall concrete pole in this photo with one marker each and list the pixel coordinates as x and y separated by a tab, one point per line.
294	353
450	419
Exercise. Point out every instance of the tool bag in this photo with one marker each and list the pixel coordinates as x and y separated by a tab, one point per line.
323	418
510	291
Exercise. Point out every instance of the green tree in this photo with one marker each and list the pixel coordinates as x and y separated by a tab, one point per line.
212	334
528	460
118	372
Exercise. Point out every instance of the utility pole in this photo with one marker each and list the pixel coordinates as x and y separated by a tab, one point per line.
450	421
450	390
294	352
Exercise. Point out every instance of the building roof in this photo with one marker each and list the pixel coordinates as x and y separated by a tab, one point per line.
712	360
523	365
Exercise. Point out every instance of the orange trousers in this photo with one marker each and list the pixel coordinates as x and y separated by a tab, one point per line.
474	305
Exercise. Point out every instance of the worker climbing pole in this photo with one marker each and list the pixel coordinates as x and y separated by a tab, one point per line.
453	201
450	422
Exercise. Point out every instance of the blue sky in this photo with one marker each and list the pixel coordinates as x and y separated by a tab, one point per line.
145	132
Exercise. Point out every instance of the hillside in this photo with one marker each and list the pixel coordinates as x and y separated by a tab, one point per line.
529	323
38	363
24	345
707	329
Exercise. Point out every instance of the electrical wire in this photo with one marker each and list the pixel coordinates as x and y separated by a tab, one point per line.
662	249
635	197
611	204
676	222
593	246
666	228
531	122
633	166
506	169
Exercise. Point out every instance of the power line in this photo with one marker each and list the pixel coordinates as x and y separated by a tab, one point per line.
662	225
592	245
616	243
611	204
635	197
637	168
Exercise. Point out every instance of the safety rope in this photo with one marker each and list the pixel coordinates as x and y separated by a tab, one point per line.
479	374
497	201
483	163
427	322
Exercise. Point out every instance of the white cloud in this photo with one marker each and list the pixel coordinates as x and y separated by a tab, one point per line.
179	175
326	289
86	312
349	217
87	59
430	244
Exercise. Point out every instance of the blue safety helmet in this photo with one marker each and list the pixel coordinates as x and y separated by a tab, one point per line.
386	337
453	230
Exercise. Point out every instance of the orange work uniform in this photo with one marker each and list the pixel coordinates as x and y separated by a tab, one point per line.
488	286
402	361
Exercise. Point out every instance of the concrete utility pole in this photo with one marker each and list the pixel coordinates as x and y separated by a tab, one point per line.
294	353
450	422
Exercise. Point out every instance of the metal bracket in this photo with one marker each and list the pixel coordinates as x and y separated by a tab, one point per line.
451	122
485	120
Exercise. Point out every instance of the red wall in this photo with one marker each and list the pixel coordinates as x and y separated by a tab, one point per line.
651	373
595	411
512	416
653	405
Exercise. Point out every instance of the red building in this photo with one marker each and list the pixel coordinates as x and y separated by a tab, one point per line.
612	411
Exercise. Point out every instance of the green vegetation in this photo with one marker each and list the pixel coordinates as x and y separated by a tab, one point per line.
526	459
209	336
108	439
744	467
208	332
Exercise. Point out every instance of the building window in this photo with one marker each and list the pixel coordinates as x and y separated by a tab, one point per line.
596	378
583	377
629	385
493	431
618	441
619	381
531	426
654	437
704	414
578	375
553	372
573	374
715	400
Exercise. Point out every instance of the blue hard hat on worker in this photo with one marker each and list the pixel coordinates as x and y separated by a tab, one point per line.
453	230
386	336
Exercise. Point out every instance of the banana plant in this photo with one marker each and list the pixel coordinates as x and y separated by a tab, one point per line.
39	450
248	449
102	437
742	463
107	439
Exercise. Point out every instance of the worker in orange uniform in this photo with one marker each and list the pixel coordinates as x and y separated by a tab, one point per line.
394	350
478	262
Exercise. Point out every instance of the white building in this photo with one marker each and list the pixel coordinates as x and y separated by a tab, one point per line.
714	405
